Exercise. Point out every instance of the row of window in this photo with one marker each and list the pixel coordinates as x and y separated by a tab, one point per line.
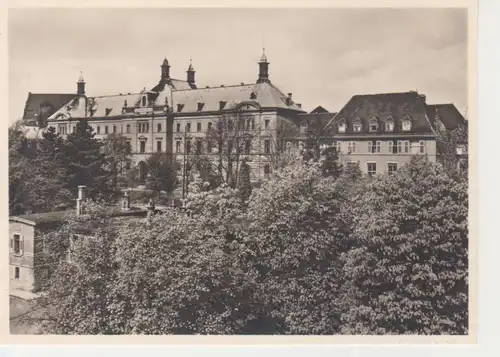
393	147
142	127
210	146
371	167
247	124
373	125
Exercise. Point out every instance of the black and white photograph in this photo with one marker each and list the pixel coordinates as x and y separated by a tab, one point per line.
239	171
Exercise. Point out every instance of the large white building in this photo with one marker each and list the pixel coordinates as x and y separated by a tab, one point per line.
174	115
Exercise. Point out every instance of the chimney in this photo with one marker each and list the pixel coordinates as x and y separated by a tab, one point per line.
80	200
289	99
299	105
422	98
126	201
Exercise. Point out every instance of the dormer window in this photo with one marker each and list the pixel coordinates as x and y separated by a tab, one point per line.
108	111
180	107
356	126
222	104
253	95
406	124
373	125
144	101
200	106
389	124
342	126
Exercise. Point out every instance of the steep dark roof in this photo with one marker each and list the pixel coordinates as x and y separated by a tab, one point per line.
448	114
53	102
319	109
384	106
323	118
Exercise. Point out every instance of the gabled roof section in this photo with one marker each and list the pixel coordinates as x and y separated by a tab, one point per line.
48	103
382	106
265	94
319	109
448	115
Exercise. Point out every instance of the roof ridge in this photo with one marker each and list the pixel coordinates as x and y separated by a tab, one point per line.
215	87
386	93
113	95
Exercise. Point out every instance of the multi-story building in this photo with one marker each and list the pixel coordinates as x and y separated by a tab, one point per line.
381	132
175	115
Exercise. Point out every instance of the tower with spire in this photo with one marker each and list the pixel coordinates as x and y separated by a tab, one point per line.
80	85
263	68
190	74
165	70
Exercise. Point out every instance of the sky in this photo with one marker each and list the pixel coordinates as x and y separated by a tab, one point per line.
322	56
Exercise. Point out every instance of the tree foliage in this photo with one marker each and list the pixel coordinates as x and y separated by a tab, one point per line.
162	174
407	269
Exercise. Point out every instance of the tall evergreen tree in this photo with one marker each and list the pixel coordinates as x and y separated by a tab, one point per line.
49	184
86	162
244	184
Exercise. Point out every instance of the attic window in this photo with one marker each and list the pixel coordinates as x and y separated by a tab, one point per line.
253	95
200	106
356	126
373	124
342	126
108	111
222	104
144	101
406	124
179	107
389	124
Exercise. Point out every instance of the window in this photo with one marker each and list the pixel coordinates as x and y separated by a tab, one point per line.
73	129
374	147
179	107
200	106
371	168
158	146
222	104
198	127
143	147
128	128
400	147
178	127
177	146
389	125
267	146
18	244
143	127
158	127
406	125
356	126
106	129
209	126
188	127
342	127
248	147
198	146
266	124
253	123
392	167
114	129
406	147
98	129
338	146
373	125
392	148
266	171
351	147
16	273
188	146
144	101
209	146
421	146
303	127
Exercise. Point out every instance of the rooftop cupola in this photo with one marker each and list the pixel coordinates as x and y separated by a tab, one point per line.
165	69
263	68
80	85
190	74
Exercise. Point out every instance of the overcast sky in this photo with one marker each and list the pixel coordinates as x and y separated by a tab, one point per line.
322	56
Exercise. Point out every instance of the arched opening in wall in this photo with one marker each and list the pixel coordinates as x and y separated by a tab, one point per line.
143	171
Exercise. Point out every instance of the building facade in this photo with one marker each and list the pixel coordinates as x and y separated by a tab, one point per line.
381	132
174	116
